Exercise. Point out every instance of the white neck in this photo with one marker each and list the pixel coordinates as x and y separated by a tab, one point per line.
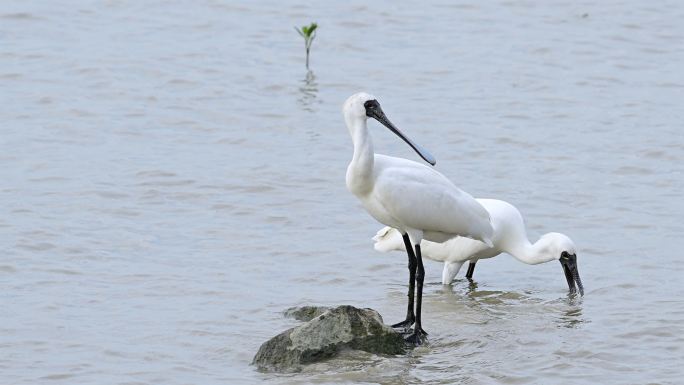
531	254
360	169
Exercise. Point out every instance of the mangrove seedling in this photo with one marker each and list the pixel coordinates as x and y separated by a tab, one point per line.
308	33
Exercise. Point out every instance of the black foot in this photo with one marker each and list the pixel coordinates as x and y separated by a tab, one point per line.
404	325
417	338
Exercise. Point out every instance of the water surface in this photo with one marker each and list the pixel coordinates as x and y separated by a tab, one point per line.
172	179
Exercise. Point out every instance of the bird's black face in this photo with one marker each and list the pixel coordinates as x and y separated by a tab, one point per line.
569	263
372	108
374	111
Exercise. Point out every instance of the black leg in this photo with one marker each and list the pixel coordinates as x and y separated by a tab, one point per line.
410	316
471	269
418	332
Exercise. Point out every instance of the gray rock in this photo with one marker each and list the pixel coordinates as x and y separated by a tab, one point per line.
340	328
305	313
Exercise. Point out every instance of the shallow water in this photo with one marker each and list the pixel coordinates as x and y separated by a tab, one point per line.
172	179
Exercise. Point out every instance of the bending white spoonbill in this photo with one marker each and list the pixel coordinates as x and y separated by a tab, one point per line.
411	197
509	237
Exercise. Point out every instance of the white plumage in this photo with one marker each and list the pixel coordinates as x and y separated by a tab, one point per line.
409	196
509	236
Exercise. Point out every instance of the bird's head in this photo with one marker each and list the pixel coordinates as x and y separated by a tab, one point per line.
355	106
388	239
361	106
561	248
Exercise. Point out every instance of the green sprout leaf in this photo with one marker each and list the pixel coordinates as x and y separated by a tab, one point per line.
308	32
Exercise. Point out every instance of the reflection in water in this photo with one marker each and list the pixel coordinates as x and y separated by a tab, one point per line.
308	91
353	366
566	312
472	286
571	315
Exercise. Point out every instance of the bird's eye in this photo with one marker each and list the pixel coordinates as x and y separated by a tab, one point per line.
564	255
371	104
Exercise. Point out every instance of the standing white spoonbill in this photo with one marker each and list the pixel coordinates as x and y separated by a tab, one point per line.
509	237
411	197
